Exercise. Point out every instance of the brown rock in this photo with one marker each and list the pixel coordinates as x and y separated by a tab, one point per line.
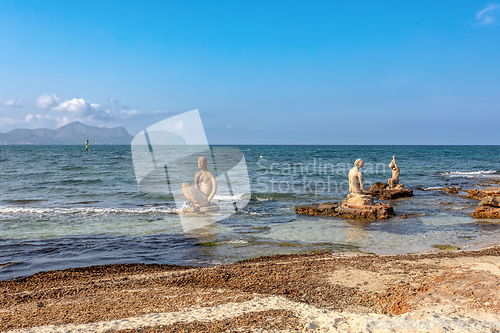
327	208
480	194
490	201
378	186
489	208
377	212
408	215
391	193
486	212
452	190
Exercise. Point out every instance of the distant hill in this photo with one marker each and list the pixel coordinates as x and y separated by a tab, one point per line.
71	134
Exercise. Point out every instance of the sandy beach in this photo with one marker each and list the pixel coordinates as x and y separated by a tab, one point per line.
325	292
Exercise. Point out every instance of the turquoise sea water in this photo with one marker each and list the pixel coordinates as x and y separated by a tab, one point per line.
63	207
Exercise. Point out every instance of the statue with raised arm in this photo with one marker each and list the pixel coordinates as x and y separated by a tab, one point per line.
395	173
356	181
205	186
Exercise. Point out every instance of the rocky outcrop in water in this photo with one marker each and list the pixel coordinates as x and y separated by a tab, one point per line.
452	189
376	211
385	193
489	208
480	194
327	208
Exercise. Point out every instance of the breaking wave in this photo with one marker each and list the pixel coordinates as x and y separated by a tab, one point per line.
470	174
85	211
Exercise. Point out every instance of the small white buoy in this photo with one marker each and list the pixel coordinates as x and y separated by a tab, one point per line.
260	156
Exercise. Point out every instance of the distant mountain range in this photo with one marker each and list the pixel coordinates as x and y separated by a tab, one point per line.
71	134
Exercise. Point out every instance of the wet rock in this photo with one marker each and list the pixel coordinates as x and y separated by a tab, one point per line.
490	201
408	215
452	190
489	208
327	208
378	186
389	193
377	211
480	194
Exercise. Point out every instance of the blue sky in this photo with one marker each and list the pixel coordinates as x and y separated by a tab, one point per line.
260	72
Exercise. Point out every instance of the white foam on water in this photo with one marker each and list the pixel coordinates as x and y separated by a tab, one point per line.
470	174
263	199
221	197
13	210
235	241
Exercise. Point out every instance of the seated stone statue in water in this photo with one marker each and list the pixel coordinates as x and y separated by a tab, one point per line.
356	181
200	196
395	174
357	196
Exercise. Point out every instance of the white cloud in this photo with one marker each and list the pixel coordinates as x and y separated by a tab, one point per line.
54	112
30	118
47	101
7	121
18	103
487	16
78	109
129	113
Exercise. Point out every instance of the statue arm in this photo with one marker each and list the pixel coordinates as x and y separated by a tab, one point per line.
361	182
197	181
214	188
395	165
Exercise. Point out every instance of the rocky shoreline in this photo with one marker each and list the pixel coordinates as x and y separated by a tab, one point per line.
319	292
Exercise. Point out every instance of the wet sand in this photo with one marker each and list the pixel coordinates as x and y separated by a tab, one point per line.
322	292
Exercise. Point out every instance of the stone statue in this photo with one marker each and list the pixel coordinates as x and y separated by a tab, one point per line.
357	196
395	173
356	181
200	196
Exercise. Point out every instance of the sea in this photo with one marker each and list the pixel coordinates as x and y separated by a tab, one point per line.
62	206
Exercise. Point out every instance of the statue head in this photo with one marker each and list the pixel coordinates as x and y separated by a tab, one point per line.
359	163
202	162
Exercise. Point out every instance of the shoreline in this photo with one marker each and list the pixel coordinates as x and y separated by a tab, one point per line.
317	292
473	246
